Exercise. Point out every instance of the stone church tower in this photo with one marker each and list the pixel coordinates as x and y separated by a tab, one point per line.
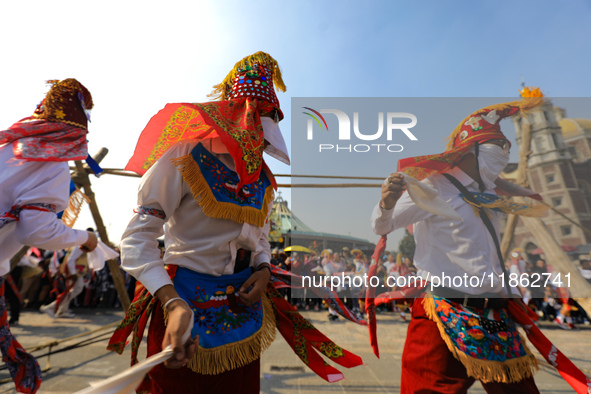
559	169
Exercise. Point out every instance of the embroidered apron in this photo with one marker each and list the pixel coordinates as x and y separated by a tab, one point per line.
486	341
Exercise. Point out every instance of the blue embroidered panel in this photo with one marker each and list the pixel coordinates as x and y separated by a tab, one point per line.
220	316
223	182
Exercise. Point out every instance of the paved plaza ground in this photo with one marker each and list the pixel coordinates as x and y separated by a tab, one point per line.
281	370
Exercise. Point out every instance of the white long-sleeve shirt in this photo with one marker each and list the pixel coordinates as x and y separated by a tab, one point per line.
33	182
71	263
193	240
447	246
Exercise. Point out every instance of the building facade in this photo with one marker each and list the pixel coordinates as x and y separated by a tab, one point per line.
559	169
288	230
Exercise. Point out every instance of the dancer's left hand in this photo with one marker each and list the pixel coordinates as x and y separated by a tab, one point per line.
258	280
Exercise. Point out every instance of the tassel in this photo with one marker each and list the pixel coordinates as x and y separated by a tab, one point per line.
77	200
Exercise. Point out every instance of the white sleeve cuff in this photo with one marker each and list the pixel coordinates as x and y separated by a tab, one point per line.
155	278
381	220
261	258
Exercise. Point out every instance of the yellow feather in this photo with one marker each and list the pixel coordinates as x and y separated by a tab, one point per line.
530	91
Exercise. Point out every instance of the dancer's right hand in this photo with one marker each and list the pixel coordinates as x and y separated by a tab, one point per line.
90	243
179	320
392	189
179	317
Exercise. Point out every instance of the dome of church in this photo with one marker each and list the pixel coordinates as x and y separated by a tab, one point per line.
573	127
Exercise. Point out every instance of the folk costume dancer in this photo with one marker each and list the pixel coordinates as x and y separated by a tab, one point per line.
462	334
35	183
209	192
76	270
465	333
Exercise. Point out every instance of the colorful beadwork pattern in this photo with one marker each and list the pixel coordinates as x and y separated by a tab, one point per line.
254	81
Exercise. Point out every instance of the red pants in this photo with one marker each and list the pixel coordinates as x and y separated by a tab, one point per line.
429	367
245	380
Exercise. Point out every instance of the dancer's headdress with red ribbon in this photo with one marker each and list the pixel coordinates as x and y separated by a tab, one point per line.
476	128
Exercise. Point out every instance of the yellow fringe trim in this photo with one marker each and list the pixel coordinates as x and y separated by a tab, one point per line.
510	371
202	193
237	354
77	200
512	208
222	90
525	104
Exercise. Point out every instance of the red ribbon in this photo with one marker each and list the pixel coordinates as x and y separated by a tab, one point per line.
370	307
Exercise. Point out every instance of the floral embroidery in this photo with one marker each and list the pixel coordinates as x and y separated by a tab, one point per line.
331	350
223	182
40	140
184	120
474	122
246	133
219	316
226	181
59	114
421	167
484	334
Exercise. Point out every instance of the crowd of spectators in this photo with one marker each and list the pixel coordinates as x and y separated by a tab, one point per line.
545	291
40	277
348	263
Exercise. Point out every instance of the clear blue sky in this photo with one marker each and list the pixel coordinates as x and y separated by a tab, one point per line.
137	56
